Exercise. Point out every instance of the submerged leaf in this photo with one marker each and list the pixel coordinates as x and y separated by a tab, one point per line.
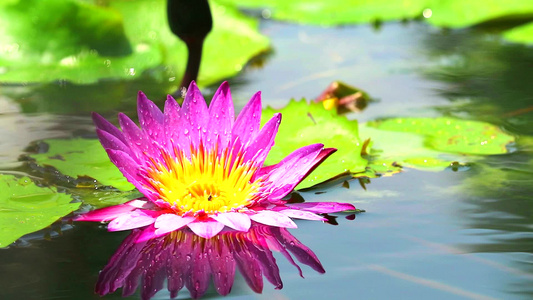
307	123
82	158
98	198
25	207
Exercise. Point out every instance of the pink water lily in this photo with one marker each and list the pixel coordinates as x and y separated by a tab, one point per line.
199	167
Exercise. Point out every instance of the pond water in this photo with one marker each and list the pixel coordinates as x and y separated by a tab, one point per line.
451	234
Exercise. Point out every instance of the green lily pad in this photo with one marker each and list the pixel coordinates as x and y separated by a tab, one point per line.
448	13
452	135
433	143
43	41
520	34
308	123
25	207
459	13
82	158
336	12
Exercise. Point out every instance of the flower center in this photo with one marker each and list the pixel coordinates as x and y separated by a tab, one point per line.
204	183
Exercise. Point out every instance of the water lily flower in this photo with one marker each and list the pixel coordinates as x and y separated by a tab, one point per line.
187	260
199	167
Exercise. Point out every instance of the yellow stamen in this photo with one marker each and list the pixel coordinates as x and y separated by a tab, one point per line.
207	182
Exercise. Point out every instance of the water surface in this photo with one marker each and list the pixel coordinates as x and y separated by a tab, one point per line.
425	235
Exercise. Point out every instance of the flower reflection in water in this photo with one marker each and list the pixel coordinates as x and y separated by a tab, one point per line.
188	260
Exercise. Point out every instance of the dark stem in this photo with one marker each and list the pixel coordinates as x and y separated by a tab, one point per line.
194	49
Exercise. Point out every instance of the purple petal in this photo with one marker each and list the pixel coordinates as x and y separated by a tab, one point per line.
221	117
301	251
263	255
222	265
235	220
322	207
198	281
263	142
247	124
166	223
301	214
121	264
135	219
206	229
273	218
248	266
106	126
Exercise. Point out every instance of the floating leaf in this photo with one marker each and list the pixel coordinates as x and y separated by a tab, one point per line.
336	12
82	158
452	135
520	34
305	124
42	41
448	13
25	207
460	13
433	143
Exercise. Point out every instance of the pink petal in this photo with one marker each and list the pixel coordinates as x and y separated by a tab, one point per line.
221	117
135	219
248	121
150	116
147	234
106	126
126	165
166	223
171	106
139	203
194	115
136	139
105	214
206	229
292	169
322	207
263	142
235	220
301	214
174	128
110	141
273	218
